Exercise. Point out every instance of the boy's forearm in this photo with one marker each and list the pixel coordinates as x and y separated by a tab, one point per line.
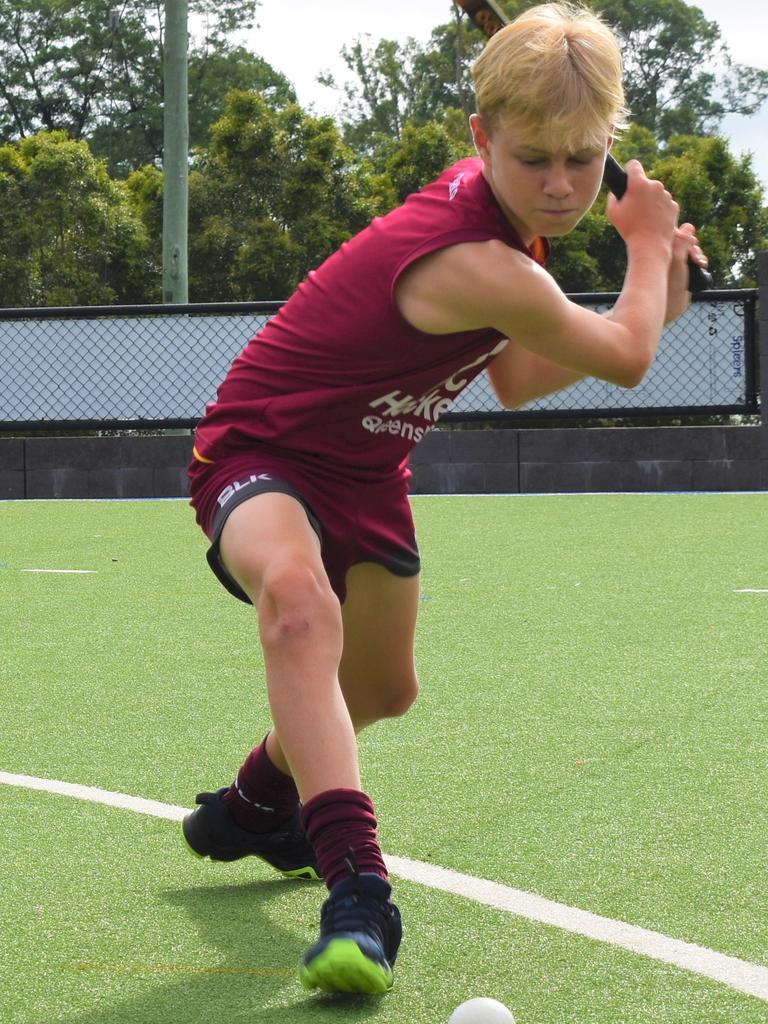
546	378
520	376
641	306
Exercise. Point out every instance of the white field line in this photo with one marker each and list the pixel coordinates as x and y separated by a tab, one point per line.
96	796
750	590
64	572
741	975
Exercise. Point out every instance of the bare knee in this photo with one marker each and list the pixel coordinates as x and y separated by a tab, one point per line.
402	698
390	700
296	606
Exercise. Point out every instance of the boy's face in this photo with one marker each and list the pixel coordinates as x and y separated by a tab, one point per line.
542	191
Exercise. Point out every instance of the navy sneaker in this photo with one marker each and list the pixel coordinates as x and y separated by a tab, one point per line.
360	933
211	831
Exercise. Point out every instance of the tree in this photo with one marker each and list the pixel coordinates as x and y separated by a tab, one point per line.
679	74
722	195
380	104
404	83
420	155
16	228
275	193
75	66
70	234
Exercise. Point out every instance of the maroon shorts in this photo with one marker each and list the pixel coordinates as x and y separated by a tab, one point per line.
355	521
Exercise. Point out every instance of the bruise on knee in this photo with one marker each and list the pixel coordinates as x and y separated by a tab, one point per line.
294	606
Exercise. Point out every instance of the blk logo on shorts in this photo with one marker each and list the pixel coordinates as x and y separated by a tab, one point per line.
231	490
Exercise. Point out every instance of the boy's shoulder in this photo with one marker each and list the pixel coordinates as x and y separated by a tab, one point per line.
466	201
462	182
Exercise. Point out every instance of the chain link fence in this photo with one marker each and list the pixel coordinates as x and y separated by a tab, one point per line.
706	363
144	367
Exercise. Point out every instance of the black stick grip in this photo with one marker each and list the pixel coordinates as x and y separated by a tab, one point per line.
615	177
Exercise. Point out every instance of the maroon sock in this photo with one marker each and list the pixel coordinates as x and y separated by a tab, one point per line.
336	822
261	797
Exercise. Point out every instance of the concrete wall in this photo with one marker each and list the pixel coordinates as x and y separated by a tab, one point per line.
458	461
94	467
612	459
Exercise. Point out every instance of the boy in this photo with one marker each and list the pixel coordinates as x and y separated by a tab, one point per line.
300	470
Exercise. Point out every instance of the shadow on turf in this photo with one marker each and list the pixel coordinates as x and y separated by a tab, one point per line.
255	957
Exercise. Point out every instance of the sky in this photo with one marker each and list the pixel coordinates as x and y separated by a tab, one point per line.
303	38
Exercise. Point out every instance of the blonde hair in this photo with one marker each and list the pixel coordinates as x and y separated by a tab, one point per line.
555	71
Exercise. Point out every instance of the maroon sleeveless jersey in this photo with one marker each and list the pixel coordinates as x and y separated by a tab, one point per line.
339	377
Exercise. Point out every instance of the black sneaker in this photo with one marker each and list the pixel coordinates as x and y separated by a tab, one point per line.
211	831
360	934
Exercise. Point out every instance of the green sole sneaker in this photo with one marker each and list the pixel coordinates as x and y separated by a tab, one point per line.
343	967
360	933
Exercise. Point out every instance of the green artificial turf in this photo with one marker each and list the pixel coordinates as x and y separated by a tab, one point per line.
591	728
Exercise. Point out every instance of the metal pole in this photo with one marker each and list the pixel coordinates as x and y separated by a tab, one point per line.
175	153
